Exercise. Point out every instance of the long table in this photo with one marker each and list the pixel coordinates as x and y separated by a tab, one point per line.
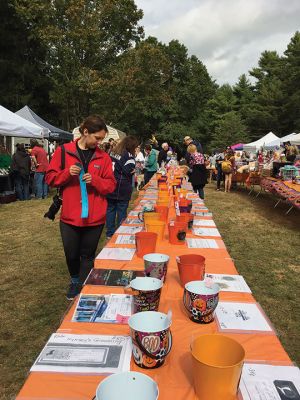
174	378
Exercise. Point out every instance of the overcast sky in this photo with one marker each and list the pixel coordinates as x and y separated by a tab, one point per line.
228	36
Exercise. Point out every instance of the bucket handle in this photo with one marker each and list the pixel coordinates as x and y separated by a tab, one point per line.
153	356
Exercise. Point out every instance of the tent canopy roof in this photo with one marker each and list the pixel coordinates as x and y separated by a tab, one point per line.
295	139
277	142
262	142
14	125
54	132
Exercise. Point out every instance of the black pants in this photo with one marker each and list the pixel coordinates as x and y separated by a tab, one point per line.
148	175
80	245
200	190
219	175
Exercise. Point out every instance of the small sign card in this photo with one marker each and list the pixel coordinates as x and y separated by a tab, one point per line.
85	354
202	243
109	308
204	222
270	382
206	232
115	253
129	229
241	316
125	239
230	283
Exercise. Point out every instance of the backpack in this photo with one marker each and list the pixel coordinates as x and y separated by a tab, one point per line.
226	166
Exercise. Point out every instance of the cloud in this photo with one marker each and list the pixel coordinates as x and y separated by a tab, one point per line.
227	35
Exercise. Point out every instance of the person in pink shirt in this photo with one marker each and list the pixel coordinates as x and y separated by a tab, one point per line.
40	160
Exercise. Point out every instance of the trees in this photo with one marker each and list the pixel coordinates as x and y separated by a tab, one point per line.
82	38
230	130
22	66
291	71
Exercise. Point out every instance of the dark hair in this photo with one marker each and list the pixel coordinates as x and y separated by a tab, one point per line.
93	124
20	147
128	143
148	147
33	143
106	147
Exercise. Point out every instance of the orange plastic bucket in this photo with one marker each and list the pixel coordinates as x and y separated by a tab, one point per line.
217	366
157	227
163	211
177	232
145	243
163	203
191	267
187	217
150	216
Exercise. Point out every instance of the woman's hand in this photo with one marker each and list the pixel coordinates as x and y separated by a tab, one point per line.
87	178
74	170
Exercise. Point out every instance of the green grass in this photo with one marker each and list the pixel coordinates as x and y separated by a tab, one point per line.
265	246
263	242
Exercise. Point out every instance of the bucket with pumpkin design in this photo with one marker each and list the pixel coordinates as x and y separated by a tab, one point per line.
200	299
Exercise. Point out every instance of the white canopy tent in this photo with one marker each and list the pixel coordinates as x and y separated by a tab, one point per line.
12	124
262	142
278	142
295	139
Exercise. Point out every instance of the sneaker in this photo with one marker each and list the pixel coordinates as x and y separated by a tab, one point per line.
73	291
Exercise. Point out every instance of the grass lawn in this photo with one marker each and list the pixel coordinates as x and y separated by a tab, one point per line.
263	242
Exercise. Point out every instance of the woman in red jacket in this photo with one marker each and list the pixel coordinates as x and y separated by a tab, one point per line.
86	179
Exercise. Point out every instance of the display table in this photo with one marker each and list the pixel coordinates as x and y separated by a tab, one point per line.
285	190
174	378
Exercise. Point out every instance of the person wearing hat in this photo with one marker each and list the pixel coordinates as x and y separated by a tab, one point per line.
188	141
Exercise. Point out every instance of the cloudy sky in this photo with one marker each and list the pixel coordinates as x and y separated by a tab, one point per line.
228	36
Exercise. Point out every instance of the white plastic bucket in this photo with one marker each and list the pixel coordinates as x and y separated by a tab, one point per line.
127	386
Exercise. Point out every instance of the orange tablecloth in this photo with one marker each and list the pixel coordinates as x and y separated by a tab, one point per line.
175	376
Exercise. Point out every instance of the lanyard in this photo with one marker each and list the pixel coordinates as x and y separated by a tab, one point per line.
84	196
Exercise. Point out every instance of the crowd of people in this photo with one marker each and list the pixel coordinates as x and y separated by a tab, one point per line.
28	169
96	179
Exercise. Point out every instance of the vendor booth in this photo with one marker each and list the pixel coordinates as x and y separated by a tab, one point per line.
295	139
53	133
13	126
279	142
262	142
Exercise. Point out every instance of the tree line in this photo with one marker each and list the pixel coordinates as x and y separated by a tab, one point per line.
70	58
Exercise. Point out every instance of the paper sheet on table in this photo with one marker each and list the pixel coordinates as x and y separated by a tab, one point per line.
134	213
230	283
199	207
241	316
125	239
115	253
204	222
90	354
270	382
202	243
133	221
129	229
206	232
113	308
202	214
